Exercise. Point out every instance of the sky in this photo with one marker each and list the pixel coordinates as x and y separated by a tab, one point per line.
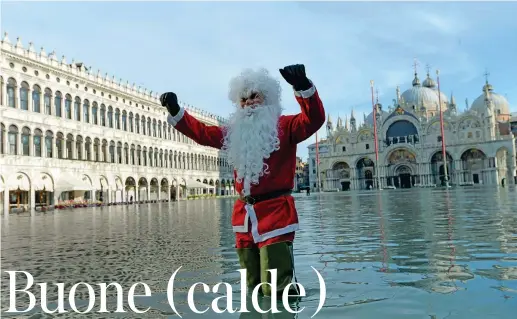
195	48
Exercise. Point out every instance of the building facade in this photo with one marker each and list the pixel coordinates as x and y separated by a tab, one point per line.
71	134
480	148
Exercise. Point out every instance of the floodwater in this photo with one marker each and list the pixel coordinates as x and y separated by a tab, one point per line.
419	253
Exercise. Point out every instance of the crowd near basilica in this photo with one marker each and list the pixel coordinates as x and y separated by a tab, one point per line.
479	142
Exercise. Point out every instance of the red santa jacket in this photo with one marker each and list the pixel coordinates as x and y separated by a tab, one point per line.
277	216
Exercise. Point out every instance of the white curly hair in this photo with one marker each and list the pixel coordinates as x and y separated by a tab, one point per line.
259	81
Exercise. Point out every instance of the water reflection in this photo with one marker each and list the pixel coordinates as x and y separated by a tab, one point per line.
413	253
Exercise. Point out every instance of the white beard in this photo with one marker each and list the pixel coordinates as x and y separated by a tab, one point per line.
250	137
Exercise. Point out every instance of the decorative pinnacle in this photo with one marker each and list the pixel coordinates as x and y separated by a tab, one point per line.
371	83
428	68
437	72
415	65
486	74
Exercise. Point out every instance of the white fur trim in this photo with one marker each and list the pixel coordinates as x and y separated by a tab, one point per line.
257	238
307	93
173	120
243	228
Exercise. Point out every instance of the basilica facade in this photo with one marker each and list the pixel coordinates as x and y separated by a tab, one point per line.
479	145
68	133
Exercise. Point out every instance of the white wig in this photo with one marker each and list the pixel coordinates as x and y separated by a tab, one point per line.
258	81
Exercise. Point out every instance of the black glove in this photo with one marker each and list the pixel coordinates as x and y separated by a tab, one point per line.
170	101
295	75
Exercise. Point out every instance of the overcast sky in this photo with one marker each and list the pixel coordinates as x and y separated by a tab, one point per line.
194	48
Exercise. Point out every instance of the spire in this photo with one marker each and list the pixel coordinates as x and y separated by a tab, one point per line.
398	96
352	117
487	85
6	38
416	80
329	120
453	100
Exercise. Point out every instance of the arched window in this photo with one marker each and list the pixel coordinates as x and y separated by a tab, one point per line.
124	120
94	113
112	152
12	139
69	146
37	142
96	150
117	119
68	106
57	104
26	133
79	147
148	126
59	144
11	92
77	108
49	136
36	99
24	96
87	148
154	128
103	115
137	124
86	111
47	101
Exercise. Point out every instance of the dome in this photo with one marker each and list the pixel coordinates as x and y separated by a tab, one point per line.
499	102
418	94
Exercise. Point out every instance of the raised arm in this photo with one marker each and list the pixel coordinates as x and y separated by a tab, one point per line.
206	135
312	115
311	118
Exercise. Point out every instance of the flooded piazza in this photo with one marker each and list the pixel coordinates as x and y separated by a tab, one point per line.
418	253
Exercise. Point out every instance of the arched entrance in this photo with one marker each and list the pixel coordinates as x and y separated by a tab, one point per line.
438	168
131	190
403	172
365	168
474	161
338	177
401	168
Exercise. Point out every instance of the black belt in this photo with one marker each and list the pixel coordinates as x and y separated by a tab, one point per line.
252	200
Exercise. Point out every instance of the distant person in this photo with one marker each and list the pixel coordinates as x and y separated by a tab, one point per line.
261	144
308	191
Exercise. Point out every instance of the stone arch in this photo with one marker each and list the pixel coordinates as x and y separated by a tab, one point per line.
44	188
19	185
154	188
438	168
365	168
164	188
474	161
143	187
401	131
131	189
338	176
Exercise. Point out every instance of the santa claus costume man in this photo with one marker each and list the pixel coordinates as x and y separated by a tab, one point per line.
260	144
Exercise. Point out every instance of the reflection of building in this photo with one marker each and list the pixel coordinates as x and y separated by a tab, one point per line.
70	133
480	148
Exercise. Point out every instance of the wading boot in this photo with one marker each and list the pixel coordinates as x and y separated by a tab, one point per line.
277	256
249	259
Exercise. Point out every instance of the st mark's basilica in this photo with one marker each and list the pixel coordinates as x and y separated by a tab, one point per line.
480	147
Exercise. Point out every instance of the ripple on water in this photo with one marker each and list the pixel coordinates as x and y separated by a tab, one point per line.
381	255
